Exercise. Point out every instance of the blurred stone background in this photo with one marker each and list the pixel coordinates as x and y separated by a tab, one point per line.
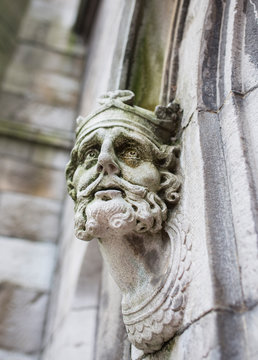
57	301
41	70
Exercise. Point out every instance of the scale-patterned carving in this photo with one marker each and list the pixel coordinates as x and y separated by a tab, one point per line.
158	319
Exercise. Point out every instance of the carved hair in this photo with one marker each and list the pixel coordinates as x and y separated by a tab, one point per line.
167	163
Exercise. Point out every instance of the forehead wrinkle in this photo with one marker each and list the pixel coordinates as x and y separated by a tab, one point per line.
136	137
115	132
96	135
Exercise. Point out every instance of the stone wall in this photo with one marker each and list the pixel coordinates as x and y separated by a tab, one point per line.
205	59
203	54
74	311
41	80
216	84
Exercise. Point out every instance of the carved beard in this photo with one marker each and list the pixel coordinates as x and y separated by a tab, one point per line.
108	216
137	210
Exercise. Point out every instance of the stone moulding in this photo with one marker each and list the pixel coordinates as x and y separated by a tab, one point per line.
123	177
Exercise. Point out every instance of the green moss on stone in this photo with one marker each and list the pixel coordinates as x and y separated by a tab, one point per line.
146	77
148	61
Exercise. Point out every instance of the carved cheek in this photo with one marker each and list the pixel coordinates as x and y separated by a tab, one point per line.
82	176
77	175
146	174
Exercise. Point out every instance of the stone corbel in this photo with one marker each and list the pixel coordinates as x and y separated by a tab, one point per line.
123	177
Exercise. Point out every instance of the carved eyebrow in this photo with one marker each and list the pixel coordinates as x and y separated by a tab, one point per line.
136	139
90	140
122	139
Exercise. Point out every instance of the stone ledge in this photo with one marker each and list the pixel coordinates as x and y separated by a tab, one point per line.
29	132
46	156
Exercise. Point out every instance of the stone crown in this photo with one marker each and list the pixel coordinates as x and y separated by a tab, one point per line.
117	109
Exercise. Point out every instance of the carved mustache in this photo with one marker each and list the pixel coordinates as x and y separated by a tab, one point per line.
112	180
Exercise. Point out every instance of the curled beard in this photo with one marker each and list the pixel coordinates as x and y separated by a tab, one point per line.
96	218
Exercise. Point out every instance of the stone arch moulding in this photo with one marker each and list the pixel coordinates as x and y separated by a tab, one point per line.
123	177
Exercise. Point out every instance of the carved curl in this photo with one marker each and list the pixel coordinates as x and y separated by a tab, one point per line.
167	163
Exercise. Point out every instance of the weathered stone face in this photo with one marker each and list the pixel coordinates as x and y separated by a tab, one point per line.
121	152
115	173
122	179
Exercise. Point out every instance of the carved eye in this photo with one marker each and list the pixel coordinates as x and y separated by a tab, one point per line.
91	154
131	154
131	157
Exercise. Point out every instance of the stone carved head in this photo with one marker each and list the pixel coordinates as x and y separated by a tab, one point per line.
122	178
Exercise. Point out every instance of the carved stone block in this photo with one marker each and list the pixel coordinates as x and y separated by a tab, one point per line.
123	176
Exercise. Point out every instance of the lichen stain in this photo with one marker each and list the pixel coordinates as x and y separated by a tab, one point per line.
156	280
136	242
152	260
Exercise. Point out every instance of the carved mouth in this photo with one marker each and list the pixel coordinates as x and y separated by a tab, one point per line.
108	194
108	191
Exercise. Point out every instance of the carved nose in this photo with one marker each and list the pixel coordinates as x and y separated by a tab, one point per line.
107	164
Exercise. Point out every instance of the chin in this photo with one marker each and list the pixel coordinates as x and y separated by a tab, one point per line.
107	217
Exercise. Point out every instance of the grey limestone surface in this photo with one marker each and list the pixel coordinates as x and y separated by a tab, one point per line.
31	179
26	263
20	109
110	311
20	306
40	81
49	24
217	89
240	148
188	345
12	355
30	217
74	331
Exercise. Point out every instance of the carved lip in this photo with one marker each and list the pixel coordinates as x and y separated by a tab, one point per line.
109	187
108	194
